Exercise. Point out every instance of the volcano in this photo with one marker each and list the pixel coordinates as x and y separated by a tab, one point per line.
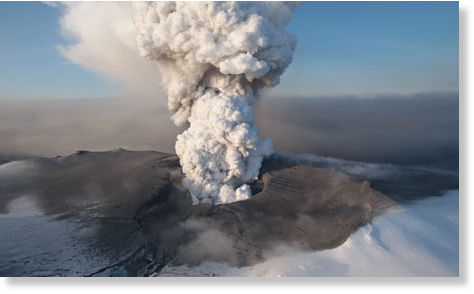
126	213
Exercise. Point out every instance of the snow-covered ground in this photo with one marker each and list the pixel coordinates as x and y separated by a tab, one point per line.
419	239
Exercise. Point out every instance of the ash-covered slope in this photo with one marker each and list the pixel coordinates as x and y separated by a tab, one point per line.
301	206
126	213
76	216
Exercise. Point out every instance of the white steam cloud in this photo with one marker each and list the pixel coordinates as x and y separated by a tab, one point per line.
104	41
214	57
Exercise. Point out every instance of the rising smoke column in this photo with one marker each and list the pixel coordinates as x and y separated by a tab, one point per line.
214	57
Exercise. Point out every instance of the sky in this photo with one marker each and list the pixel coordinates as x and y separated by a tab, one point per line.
344	48
30	34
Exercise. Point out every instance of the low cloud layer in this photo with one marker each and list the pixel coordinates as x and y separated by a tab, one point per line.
419	129
415	129
60	127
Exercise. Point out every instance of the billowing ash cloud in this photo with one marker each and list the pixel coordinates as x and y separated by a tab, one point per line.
214	57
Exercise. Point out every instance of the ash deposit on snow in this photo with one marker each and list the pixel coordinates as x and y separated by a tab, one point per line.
126	213
419	239
214	57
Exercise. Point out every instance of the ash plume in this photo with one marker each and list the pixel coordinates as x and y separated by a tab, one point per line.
214	58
